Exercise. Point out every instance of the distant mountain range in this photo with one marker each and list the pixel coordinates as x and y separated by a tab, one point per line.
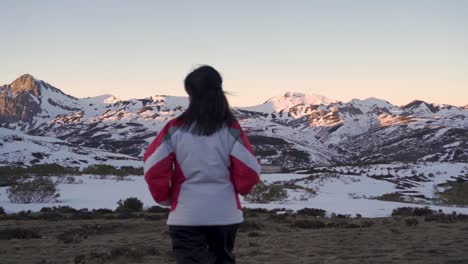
41	124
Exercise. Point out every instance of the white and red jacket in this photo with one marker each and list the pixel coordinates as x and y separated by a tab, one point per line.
200	177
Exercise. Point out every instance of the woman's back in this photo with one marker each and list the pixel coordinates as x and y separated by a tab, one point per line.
209	172
198	164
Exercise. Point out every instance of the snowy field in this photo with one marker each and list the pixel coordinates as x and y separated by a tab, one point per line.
340	194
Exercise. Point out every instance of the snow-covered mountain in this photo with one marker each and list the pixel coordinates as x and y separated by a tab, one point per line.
22	149
289	100
291	130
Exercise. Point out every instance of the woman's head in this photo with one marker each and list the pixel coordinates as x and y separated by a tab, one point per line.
203	81
208	107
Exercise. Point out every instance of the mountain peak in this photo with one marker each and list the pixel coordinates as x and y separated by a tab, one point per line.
25	82
372	102
419	104
302	98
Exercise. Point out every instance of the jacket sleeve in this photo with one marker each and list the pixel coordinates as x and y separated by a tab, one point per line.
245	168
158	166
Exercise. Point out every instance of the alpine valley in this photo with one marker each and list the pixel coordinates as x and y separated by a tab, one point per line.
362	156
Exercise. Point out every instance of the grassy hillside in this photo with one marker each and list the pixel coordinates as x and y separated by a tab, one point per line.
70	236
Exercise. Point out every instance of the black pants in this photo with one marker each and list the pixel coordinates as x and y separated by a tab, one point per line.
203	244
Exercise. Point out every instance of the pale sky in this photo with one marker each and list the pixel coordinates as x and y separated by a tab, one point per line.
394	50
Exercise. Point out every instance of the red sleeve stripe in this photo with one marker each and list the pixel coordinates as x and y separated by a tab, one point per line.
241	153
246	143
242	136
155	144
244	177
162	136
159	186
157	155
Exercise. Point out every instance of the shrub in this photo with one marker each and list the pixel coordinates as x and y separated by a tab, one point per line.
264	193
103	211
53	216
311	212
280	218
100	169
390	197
253	234
412	211
18	233
344	224
309	224
247	226
131	204
411	222
46	210
256	210
64	209
152	217
84	215
37	190
333	215
157	209
2	211
8	180
455	194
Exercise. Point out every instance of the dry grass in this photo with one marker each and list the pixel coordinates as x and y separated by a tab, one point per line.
263	239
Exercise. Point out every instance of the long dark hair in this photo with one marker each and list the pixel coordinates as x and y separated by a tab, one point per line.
208	107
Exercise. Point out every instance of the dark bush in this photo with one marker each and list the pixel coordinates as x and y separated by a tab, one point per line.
64	209
266	193
253	234
85	215
131	204
343	224
256	210
2	211
309	224
347	224
411	222
264	140
280	218
18	233
367	223
73	236
22	215
249	225
37	190
103	211
312	212
53	216
343	216
8	180
152	217
45	210
412	211
157	209
125	215
445	218
102	169
51	169
253	212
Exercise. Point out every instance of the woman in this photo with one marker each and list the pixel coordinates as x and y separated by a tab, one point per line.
197	165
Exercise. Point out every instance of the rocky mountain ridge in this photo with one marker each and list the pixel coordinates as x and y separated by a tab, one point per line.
291	130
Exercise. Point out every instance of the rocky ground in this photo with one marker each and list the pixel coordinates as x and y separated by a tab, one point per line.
408	236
